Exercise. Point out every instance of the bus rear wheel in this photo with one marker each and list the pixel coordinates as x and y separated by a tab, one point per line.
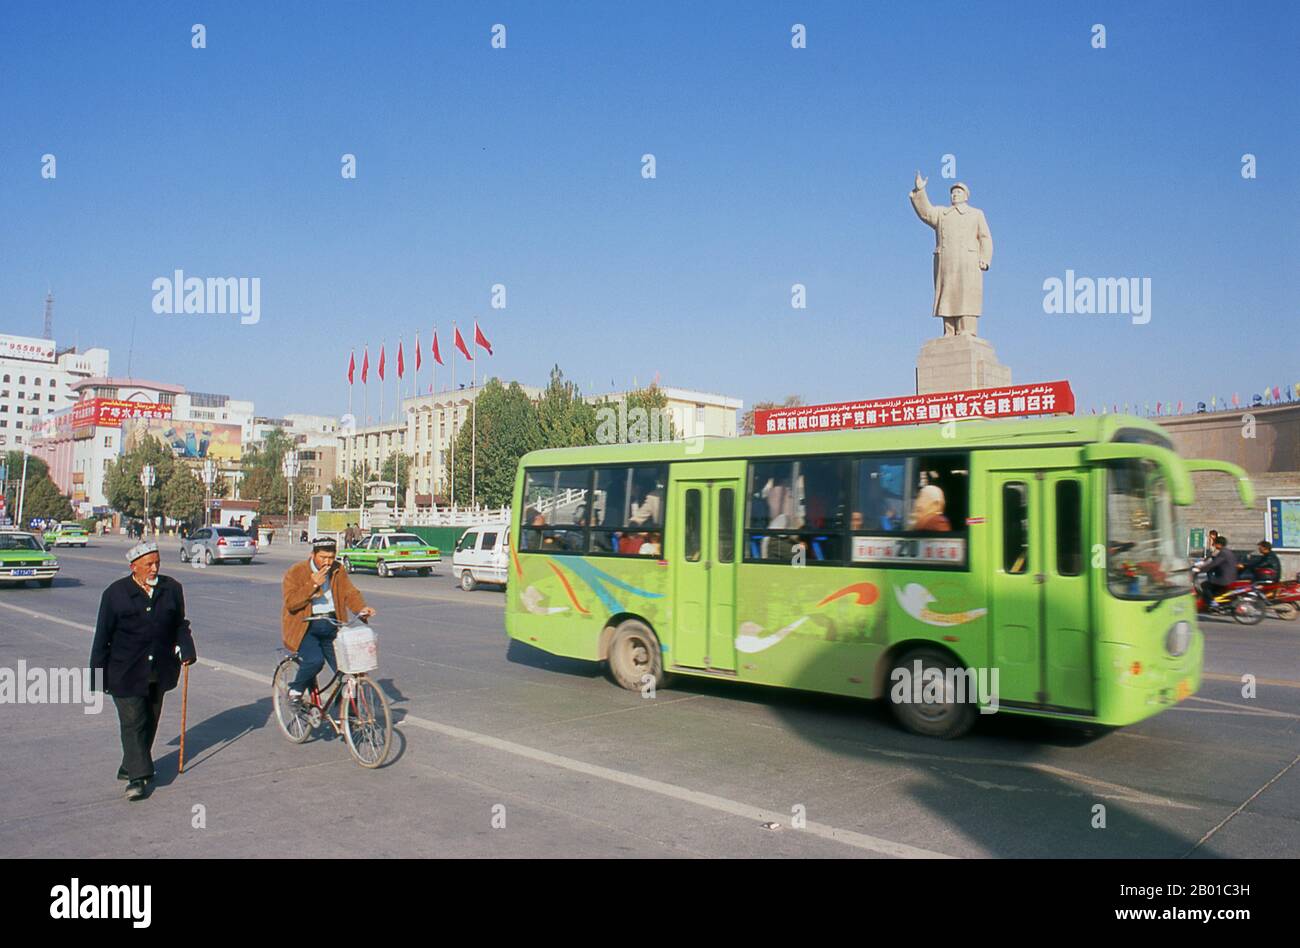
946	719
635	659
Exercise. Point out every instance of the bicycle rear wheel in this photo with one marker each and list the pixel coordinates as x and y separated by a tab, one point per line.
367	722
293	722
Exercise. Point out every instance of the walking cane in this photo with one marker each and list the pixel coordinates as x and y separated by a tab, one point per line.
185	700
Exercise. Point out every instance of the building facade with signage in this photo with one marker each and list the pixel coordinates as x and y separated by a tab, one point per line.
37	380
80	442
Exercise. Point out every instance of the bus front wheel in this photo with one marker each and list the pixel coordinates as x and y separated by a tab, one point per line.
635	660
932	711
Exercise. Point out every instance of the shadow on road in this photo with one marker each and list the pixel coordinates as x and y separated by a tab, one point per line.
219	732
520	653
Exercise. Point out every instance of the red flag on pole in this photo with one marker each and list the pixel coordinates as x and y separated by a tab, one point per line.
460	344
481	339
437	356
418	359
365	366
401	362
352	366
381	362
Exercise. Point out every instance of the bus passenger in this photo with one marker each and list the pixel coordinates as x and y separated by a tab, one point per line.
927	511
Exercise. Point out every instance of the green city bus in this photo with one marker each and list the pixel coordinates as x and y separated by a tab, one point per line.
1042	553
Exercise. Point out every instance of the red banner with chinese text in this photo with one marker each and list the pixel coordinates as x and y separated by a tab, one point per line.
1010	401
111	412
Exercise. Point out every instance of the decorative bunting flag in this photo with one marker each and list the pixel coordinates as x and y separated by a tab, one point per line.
437	356
381	362
418	360
352	366
401	361
481	339
460	344
365	366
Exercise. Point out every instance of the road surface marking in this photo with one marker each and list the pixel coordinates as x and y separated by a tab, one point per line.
707	800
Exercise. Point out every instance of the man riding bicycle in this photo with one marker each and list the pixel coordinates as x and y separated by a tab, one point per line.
317	591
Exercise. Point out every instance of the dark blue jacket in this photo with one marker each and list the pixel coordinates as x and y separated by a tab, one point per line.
131	628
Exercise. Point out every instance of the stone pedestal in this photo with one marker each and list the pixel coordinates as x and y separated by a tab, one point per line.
957	363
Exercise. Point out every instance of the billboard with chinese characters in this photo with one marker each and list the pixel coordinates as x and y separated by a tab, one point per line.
193	440
26	347
1011	401
93	413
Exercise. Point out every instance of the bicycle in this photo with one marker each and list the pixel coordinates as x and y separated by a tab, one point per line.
365	721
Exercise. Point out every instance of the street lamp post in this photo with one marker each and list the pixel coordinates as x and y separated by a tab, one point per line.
291	468
209	478
147	481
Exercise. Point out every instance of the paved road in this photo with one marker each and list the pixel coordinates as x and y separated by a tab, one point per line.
580	767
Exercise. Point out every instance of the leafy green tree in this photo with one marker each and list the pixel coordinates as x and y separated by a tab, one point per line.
507	430
183	496
122	477
563	418
43	499
397	467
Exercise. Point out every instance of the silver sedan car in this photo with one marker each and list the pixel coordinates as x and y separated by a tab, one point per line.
217	545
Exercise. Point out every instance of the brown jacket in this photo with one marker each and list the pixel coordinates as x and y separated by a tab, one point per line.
298	592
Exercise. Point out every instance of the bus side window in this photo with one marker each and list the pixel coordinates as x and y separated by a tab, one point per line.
726	525
1069	528
1015	527
692	532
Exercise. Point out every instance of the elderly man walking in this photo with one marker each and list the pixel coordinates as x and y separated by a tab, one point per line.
141	640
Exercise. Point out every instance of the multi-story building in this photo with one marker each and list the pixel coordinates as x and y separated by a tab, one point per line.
424	433
36	380
428	422
694	414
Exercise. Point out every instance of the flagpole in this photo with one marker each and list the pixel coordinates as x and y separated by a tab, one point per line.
473	434
352	367
455	414
381	383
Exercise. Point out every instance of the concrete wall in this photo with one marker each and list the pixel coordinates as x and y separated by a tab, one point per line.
1262	440
1219	508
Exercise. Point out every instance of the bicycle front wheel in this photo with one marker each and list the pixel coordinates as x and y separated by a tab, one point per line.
293	721
367	722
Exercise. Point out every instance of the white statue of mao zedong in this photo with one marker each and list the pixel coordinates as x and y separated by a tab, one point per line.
963	250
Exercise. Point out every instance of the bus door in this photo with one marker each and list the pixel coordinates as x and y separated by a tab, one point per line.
1041	618
703	553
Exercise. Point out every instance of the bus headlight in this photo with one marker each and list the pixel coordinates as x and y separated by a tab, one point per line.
1178	638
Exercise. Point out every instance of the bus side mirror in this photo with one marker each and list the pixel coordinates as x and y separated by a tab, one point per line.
1245	489
1172	467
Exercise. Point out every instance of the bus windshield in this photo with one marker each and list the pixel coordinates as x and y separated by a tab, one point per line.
1142	528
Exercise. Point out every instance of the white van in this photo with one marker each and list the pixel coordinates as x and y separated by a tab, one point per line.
482	555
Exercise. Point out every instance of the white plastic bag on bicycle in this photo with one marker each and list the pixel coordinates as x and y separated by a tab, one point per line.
356	649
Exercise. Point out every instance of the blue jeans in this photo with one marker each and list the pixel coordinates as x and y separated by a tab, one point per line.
316	649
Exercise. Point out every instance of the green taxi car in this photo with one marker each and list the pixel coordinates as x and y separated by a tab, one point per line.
391	553
22	558
67	534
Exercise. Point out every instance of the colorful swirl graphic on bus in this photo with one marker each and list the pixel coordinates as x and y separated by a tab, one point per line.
915	600
597	579
751	638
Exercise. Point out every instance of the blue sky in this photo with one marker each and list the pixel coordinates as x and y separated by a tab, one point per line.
775	166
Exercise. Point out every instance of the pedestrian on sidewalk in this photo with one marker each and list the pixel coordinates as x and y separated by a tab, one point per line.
141	640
